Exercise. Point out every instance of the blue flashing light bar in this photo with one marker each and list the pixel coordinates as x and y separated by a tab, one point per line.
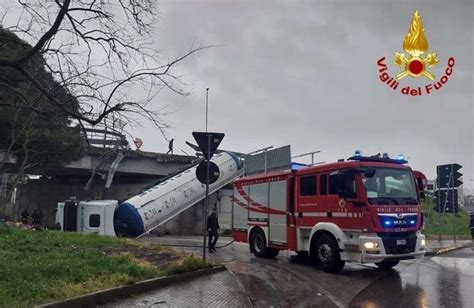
298	166
384	158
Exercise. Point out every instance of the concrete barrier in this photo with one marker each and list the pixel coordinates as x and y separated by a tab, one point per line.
442	250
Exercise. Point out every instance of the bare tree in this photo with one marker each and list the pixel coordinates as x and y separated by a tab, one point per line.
100	56
98	51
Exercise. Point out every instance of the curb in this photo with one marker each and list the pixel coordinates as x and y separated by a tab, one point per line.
439	251
112	294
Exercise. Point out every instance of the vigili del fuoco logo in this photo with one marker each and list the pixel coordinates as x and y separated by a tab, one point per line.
415	63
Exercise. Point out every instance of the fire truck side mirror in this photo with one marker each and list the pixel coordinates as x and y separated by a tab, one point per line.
422	196
421	189
419	182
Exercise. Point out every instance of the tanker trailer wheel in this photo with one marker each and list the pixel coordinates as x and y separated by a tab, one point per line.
258	245
327	254
387	264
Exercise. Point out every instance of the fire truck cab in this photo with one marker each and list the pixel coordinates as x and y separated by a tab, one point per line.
365	209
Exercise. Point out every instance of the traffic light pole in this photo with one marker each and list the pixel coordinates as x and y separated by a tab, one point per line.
438	205
206	201
450	180
454	205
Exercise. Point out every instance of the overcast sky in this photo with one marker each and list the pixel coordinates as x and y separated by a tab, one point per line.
305	74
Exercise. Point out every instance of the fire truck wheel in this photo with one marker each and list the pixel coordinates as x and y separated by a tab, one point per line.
327	254
259	247
387	264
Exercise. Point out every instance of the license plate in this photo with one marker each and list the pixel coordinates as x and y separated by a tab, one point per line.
401	242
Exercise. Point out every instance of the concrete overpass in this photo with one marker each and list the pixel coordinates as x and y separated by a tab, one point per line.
134	163
135	171
100	166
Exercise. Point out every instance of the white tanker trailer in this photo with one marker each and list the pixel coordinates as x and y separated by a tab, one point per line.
148	210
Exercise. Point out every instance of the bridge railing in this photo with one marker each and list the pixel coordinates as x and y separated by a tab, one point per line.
107	134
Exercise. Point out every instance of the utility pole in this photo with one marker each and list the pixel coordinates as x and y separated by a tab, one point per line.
207	106
206	202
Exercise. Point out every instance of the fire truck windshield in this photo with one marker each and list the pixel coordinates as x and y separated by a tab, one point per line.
389	186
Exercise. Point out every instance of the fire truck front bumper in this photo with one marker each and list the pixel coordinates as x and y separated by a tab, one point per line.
381	246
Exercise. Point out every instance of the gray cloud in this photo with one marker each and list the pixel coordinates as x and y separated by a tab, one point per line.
305	74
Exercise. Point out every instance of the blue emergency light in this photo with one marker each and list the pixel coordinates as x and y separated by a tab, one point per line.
401	159
384	158
298	166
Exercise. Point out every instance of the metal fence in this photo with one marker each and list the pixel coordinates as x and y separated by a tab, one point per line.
276	159
107	134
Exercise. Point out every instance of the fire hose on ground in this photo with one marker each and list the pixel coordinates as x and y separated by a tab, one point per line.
194	246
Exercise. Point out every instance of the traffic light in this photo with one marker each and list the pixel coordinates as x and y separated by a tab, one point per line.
445	197
446	201
448	176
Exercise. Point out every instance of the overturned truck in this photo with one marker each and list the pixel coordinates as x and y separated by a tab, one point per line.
148	210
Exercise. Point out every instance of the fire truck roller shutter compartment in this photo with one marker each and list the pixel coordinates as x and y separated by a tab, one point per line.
277	221
240	208
258	207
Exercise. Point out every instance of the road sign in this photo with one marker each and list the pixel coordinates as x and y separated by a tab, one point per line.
214	172
208	142
138	143
448	176
446	201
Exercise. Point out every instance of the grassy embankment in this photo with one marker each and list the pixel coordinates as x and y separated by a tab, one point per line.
43	266
449	223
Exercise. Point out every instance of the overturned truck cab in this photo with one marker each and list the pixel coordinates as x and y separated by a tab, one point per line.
87	216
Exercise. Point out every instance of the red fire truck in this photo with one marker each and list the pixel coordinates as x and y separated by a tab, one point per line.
364	209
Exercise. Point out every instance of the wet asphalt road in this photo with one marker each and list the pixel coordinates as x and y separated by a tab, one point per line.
442	281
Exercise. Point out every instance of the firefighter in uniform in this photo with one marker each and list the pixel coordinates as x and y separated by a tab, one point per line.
212	227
